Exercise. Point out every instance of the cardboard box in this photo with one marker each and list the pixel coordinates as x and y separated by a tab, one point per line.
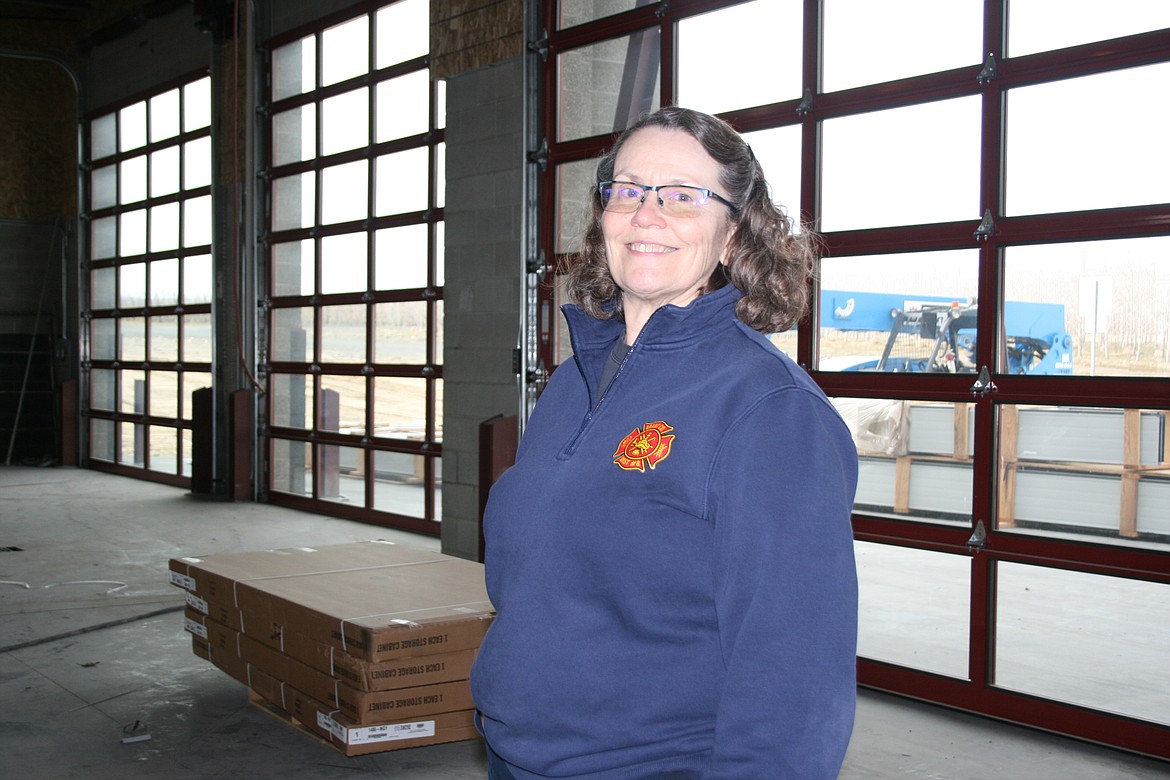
395	602
361	707
302	711
328	724
241	656
359	674
211	580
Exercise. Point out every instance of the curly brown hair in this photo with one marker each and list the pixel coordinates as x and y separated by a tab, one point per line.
768	262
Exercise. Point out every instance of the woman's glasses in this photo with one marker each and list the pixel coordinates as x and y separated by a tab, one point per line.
677	200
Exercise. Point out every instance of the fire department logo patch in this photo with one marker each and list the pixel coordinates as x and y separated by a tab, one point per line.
645	446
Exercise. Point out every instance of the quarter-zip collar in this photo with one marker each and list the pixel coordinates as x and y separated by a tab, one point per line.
668	325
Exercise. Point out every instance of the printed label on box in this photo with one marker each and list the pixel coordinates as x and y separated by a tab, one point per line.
197	603
389	733
364	735
198	629
184	581
330	725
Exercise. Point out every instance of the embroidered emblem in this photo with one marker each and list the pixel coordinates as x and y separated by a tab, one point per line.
645	446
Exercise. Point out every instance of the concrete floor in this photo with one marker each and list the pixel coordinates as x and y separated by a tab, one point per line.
92	649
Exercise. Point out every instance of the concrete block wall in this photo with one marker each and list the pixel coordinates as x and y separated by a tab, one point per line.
485	163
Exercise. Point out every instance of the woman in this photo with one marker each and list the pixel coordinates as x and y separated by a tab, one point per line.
671	556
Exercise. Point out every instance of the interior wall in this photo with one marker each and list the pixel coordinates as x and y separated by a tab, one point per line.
485	154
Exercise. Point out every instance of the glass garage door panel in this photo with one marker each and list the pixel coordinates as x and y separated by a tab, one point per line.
914	608
1030	28
1101	307
1071	636
1097	474
906	313
574	12
915	457
868	43
1049	131
927	171
758	37
605	85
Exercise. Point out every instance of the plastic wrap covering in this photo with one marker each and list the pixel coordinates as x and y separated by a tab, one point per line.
878	425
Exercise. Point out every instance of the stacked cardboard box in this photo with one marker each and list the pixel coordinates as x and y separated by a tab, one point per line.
369	645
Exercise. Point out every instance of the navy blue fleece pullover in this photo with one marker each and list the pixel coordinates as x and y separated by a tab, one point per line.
673	571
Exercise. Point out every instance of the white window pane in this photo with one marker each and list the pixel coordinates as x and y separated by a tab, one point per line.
343	334
197	338
1031	29
132	180
345	51
132	126
294	135
345	121
403	106
103	236
164	115
103	289
132	233
197	221
197	279
164	171
103	338
778	153
403	31
197	104
132	285
343	263
293	201
164	227
292	334
344	192
103	136
400	333
102	392
440	175
164	282
292	268
1056	158
927	170
868	43
402	182
197	163
103	183
294	68
400	258
759	37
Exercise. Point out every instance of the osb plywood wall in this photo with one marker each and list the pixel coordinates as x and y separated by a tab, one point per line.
39	104
38	125
470	34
